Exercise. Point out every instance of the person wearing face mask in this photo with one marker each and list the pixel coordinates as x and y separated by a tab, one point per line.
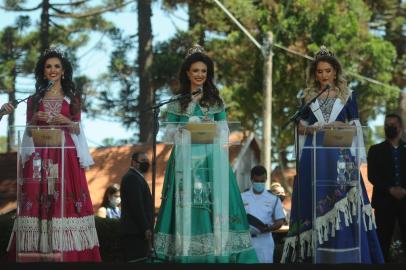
265	214
278	190
387	173
136	220
110	204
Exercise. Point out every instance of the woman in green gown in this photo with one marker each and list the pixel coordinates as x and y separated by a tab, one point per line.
201	218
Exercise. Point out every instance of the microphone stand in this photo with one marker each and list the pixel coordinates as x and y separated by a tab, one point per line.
156	110
295	118
42	90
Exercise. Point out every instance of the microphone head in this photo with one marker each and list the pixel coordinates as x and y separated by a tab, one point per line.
328	86
198	90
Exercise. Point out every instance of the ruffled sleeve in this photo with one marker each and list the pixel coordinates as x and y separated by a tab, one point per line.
82	148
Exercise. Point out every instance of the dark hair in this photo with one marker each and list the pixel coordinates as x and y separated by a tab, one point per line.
135	155
68	87
394	115
258	170
111	190
211	95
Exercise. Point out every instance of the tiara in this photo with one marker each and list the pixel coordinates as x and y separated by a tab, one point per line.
195	49
53	50
323	52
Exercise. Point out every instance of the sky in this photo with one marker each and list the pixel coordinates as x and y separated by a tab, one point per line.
94	62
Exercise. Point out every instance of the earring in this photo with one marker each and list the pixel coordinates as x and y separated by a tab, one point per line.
63	76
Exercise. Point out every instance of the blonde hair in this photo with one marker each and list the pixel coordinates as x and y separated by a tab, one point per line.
313	85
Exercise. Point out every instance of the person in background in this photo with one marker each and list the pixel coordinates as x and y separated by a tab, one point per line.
278	190
266	210
387	173
111	202
6	109
136	220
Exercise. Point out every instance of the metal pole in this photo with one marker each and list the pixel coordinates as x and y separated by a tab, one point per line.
267	109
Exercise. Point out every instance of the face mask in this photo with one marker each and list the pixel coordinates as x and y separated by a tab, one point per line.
258	187
391	132
143	166
115	201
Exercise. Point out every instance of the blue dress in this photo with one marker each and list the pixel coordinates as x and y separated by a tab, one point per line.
342	235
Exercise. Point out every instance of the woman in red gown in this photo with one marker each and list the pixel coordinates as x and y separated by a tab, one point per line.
46	227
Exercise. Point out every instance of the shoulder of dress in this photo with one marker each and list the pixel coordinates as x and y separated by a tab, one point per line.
218	108
176	109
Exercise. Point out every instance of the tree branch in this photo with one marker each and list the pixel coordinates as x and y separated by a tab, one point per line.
19	8
77	3
93	12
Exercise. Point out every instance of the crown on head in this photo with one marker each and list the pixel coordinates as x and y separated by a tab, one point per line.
195	49
323	52
53	50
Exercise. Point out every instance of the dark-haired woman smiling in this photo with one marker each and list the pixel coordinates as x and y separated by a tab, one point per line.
44	225
202	218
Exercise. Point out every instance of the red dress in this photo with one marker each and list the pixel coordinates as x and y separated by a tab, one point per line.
44	228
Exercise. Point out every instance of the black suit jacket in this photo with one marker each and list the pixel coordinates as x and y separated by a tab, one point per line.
381	171
136	204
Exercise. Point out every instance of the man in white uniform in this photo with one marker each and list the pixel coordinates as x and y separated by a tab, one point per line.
265	214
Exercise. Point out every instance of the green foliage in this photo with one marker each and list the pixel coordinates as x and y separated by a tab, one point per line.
304	26
119	89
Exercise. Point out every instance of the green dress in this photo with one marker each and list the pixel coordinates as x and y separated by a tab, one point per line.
202	218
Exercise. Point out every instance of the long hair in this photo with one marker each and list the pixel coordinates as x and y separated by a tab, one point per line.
111	190
68	87
313	85
211	95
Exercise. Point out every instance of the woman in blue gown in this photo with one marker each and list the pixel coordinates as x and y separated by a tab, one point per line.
341	226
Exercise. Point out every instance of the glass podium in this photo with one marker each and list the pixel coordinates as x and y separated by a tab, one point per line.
200	168
336	157
39	228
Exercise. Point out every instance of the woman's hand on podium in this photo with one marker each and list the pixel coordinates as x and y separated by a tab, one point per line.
60	120
41	116
338	124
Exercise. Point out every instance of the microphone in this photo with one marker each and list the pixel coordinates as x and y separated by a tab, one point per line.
47	88
198	91
182	96
327	87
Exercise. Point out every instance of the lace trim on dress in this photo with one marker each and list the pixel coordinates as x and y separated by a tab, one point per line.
201	245
57	234
326	107
328	224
